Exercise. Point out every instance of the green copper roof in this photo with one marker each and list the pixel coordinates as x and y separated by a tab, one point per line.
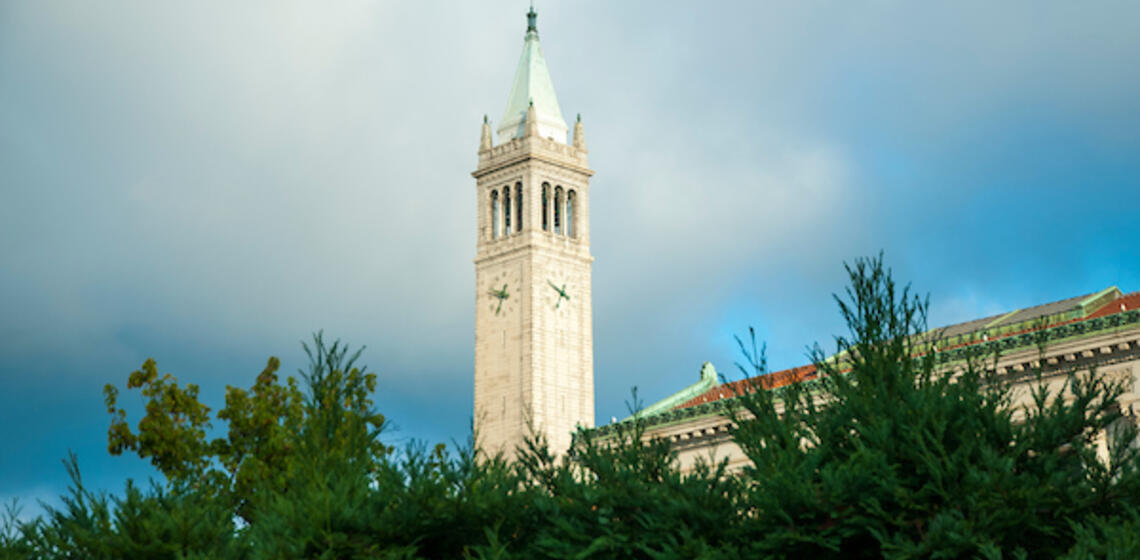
532	84
708	381
1124	320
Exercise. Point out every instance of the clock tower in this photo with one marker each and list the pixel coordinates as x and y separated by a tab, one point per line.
534	349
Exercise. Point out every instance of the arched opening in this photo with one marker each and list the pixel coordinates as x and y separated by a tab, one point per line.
494	214
545	206
518	207
557	209
571	214
506	210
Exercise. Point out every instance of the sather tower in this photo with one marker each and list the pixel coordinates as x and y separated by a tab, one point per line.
534	346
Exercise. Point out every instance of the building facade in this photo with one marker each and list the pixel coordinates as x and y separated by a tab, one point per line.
534	357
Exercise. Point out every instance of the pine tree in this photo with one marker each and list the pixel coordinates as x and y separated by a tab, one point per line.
890	456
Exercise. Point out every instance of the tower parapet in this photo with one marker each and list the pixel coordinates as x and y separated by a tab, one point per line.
558	153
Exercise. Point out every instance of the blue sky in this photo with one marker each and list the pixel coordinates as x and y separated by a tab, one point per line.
208	184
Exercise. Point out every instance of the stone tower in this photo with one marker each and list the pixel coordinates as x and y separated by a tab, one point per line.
534	349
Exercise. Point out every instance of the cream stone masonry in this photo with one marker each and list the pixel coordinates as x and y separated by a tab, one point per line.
533	318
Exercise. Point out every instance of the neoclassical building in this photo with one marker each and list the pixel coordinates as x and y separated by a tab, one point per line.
534	325
1099	330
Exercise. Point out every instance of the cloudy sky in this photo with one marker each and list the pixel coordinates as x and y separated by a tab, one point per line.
209	183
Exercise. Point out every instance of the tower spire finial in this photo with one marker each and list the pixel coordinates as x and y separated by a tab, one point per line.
485	135
579	134
531	19
531	125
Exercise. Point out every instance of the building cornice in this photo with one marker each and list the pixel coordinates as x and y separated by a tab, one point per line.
1056	362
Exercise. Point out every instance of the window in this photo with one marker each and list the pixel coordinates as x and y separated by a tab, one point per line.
494	214
571	213
557	209
545	206
506	210
518	207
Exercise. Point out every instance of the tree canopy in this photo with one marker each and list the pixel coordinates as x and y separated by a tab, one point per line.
885	456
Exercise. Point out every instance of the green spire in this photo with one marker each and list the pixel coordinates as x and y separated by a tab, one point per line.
532	87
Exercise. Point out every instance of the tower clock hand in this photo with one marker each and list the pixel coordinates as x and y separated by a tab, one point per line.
500	294
561	293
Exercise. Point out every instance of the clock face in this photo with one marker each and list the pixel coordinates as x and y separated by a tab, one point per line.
560	293
500	292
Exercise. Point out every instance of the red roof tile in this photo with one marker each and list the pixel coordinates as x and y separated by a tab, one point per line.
772	380
1127	302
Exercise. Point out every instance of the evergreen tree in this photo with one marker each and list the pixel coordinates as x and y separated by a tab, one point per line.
888	454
